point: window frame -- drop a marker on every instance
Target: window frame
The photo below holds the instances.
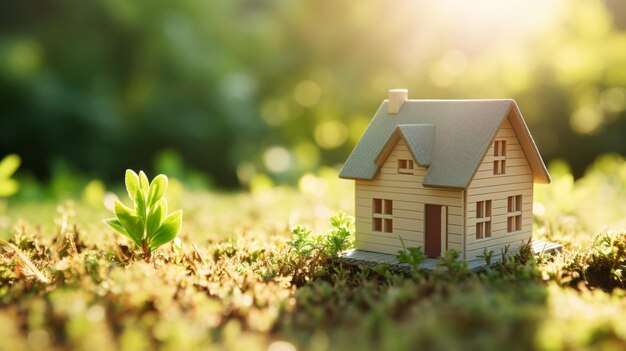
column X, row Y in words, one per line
column 499, row 157
column 514, row 213
column 382, row 215
column 406, row 166
column 483, row 219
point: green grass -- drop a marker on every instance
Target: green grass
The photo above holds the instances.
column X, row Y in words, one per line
column 232, row 286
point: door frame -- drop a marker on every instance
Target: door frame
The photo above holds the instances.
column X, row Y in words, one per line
column 443, row 231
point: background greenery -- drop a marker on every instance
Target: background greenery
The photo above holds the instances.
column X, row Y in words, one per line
column 247, row 88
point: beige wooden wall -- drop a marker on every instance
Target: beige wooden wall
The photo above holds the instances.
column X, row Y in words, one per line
column 517, row 180
column 409, row 197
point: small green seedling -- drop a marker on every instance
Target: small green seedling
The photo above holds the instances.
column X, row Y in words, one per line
column 8, row 166
column 339, row 238
column 304, row 242
column 487, row 256
column 148, row 224
column 413, row 256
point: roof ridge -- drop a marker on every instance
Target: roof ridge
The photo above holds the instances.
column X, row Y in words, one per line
column 463, row 100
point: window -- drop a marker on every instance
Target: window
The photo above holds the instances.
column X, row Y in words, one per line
column 483, row 219
column 382, row 216
column 499, row 157
column 405, row 166
column 514, row 214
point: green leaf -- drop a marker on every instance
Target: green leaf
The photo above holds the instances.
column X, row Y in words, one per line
column 143, row 182
column 117, row 226
column 158, row 187
column 128, row 219
column 168, row 230
column 8, row 187
column 140, row 206
column 155, row 218
column 132, row 183
column 163, row 205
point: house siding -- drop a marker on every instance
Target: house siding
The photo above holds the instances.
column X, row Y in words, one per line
column 517, row 180
column 409, row 197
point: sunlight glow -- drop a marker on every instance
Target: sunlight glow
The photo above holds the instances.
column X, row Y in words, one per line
column 489, row 19
column 281, row 346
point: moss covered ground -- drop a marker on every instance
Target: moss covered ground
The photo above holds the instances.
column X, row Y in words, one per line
column 69, row 282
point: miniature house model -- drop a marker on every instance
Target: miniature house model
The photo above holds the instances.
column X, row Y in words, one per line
column 444, row 174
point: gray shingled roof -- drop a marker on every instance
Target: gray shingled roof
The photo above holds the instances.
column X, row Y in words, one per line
column 462, row 133
column 420, row 140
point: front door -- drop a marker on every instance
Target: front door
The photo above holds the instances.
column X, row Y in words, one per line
column 436, row 230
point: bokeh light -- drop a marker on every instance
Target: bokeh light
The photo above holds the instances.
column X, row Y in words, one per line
column 277, row 159
column 330, row 134
column 307, row 93
column 305, row 77
column 587, row 119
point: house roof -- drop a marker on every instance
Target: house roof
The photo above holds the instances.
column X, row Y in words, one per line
column 450, row 137
column 419, row 139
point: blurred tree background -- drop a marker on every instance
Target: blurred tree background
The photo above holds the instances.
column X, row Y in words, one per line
column 237, row 89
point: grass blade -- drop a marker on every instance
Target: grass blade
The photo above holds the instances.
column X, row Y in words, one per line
column 38, row 274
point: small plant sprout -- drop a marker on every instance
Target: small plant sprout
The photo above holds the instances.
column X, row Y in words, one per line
column 148, row 225
column 487, row 256
column 304, row 242
column 413, row 256
column 339, row 237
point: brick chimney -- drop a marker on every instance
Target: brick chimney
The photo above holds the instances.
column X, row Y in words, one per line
column 397, row 97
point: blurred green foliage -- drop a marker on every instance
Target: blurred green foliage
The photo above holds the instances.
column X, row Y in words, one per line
column 592, row 203
column 243, row 89
column 8, row 165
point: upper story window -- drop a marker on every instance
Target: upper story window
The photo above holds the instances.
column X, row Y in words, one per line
column 499, row 157
column 483, row 219
column 405, row 166
column 382, row 215
column 514, row 214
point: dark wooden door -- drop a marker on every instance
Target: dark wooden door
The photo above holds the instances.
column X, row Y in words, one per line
column 432, row 237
